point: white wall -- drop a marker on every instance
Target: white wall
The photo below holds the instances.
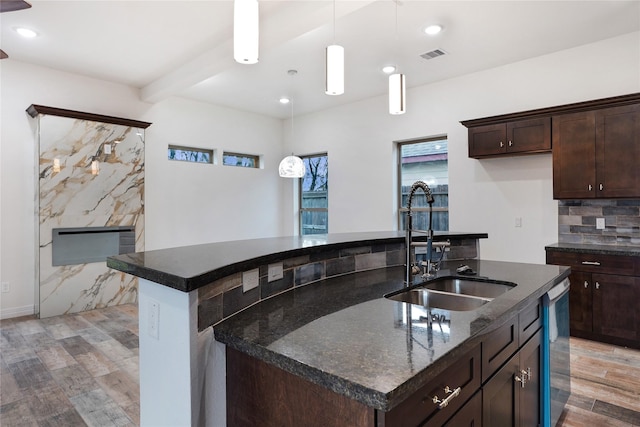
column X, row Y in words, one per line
column 184, row 203
column 484, row 196
column 199, row 203
column 187, row 204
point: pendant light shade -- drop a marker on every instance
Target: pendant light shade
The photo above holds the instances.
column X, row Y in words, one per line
column 397, row 100
column 245, row 31
column 291, row 167
column 334, row 70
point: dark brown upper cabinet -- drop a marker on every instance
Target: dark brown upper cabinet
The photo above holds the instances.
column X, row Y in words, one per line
column 595, row 144
column 596, row 154
column 510, row 138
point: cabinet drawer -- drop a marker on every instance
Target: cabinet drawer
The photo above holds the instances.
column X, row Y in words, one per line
column 612, row 264
column 529, row 321
column 420, row 408
column 498, row 346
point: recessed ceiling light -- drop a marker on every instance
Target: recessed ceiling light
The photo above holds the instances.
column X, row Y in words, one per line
column 432, row 30
column 388, row 69
column 26, row 32
column 284, row 100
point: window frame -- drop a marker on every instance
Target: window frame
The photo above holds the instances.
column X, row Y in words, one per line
column 184, row 148
column 255, row 157
column 403, row 210
column 301, row 210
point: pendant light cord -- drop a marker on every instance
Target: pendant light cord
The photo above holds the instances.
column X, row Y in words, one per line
column 334, row 21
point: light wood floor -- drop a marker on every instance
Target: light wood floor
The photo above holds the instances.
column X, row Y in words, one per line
column 82, row 370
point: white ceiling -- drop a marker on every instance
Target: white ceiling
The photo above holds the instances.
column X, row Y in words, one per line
column 184, row 48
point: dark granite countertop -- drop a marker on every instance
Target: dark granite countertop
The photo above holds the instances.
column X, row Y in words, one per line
column 190, row 267
column 595, row 249
column 342, row 333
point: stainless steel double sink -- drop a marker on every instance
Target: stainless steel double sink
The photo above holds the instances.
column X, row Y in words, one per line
column 453, row 293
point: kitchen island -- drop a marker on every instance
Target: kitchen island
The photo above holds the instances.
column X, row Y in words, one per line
column 337, row 331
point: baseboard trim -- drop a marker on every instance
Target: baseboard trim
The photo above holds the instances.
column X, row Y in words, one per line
column 8, row 313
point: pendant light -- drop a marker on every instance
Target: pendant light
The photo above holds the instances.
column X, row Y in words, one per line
column 397, row 94
column 291, row 166
column 334, row 60
column 245, row 31
column 397, row 86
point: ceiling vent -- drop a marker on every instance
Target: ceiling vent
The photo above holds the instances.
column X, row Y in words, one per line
column 433, row 54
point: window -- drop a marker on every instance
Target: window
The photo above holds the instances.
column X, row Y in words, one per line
column 424, row 160
column 190, row 154
column 240, row 160
column 314, row 202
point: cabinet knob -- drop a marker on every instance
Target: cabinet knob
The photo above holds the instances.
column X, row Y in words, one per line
column 590, row 187
column 501, row 144
column 510, row 144
column 601, row 187
column 597, row 285
column 586, row 284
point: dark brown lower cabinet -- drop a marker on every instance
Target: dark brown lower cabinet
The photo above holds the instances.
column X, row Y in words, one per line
column 470, row 415
column 512, row 396
column 603, row 297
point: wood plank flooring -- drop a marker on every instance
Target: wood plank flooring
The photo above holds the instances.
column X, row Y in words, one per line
column 73, row 370
column 82, row 370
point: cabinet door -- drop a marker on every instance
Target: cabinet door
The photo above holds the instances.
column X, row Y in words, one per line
column 470, row 415
column 618, row 151
column 530, row 362
column 574, row 154
column 501, row 395
column 487, row 140
column 615, row 306
column 533, row 135
column 580, row 302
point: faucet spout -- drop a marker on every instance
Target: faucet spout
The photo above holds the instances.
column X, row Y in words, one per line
column 418, row 185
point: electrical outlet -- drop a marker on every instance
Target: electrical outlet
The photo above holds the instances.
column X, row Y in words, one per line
column 250, row 279
column 600, row 224
column 275, row 272
column 107, row 148
column 5, row 287
column 154, row 319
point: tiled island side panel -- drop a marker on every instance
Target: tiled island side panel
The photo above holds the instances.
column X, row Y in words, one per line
column 226, row 296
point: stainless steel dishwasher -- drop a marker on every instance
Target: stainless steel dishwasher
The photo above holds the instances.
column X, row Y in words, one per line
column 556, row 370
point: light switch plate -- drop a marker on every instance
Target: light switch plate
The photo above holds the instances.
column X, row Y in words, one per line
column 275, row 272
column 600, row 225
column 250, row 279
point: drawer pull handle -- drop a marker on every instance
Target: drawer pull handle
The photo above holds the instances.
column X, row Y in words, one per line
column 590, row 263
column 586, row 284
column 590, row 187
column 597, row 285
column 443, row 403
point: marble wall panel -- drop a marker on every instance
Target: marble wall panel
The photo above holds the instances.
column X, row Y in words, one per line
column 71, row 194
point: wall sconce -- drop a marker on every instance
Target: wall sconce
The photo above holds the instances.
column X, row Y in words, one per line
column 95, row 167
column 56, row 165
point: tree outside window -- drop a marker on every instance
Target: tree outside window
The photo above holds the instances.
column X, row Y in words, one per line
column 314, row 200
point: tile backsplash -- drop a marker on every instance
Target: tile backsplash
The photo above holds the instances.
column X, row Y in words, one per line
column 577, row 221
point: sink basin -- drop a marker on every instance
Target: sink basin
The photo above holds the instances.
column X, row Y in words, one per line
column 469, row 286
column 453, row 293
column 443, row 300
